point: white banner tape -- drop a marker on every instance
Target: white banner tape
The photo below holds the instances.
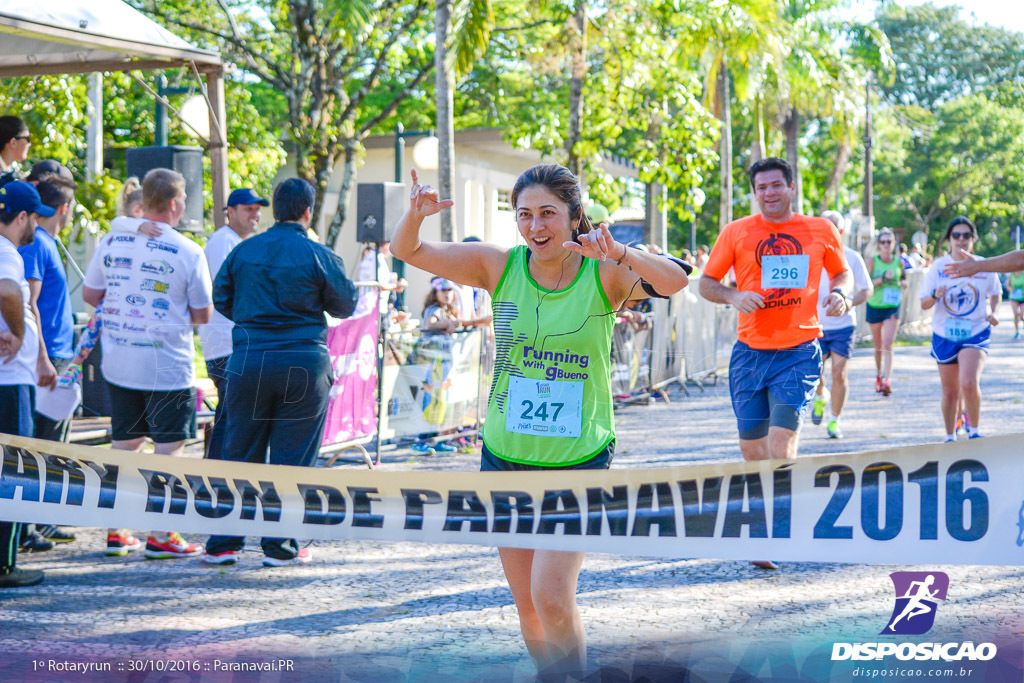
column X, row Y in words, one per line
column 960, row 503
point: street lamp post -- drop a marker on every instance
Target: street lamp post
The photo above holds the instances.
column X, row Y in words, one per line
column 422, row 153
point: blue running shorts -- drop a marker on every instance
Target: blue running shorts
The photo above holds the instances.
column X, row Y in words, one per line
column 839, row 342
column 771, row 387
column 945, row 351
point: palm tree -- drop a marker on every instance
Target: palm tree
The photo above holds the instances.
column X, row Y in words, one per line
column 461, row 30
column 732, row 37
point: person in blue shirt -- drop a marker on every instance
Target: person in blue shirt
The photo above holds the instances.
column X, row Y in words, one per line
column 276, row 287
column 51, row 306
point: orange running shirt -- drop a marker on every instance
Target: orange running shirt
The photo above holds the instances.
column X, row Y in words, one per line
column 790, row 316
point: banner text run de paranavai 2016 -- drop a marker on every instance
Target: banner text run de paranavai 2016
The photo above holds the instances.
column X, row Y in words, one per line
column 960, row 503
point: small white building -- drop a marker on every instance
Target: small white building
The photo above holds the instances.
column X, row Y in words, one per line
column 486, row 168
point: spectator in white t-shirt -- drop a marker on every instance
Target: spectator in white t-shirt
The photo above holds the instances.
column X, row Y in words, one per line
column 243, row 214
column 20, row 209
column 153, row 291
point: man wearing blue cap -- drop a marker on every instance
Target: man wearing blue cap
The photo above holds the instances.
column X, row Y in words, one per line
column 20, row 208
column 243, row 213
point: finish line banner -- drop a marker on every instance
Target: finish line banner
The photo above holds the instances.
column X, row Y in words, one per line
column 960, row 503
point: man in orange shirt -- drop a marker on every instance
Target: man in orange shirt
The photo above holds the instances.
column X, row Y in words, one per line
column 778, row 257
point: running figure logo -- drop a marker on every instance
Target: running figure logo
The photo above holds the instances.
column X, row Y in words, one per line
column 917, row 595
column 961, row 299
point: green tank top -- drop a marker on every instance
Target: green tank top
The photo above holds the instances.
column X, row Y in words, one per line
column 551, row 396
column 1016, row 287
column 878, row 268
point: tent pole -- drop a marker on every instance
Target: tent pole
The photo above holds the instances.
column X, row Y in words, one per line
column 218, row 145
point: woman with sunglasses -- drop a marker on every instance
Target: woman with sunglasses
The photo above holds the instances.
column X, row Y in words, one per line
column 965, row 311
column 14, row 144
column 883, row 308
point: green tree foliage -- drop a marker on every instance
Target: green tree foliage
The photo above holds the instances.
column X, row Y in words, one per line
column 341, row 68
column 961, row 159
column 54, row 108
column 939, row 57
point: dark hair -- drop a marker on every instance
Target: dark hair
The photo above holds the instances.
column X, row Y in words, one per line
column 771, row 164
column 561, row 182
column 291, row 199
column 472, row 238
column 960, row 220
column 7, row 217
column 55, row 191
column 10, row 128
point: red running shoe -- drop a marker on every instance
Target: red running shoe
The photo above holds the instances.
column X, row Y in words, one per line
column 886, row 388
column 878, row 384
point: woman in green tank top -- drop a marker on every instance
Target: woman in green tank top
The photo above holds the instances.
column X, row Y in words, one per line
column 883, row 308
column 554, row 300
column 1016, row 283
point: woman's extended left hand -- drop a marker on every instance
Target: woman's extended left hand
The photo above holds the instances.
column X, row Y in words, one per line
column 597, row 244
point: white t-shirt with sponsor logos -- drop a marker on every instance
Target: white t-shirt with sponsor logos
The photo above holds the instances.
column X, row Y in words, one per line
column 861, row 280
column 962, row 312
column 216, row 336
column 21, row 370
column 151, row 284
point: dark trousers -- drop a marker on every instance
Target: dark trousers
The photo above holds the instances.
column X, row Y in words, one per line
column 216, row 369
column 278, row 401
column 16, row 407
column 53, row 430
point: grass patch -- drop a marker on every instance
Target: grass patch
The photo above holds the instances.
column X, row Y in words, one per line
column 896, row 343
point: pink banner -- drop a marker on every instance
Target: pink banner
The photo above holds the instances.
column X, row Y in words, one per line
column 352, row 410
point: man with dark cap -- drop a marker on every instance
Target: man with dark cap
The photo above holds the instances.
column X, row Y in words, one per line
column 19, row 347
column 243, row 217
column 276, row 287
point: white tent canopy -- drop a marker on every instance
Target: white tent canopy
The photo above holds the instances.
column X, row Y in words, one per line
column 85, row 36
column 75, row 36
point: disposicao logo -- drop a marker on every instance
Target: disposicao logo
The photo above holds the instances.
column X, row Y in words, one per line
column 917, row 598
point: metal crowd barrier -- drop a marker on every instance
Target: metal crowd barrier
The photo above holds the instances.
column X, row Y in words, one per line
column 436, row 384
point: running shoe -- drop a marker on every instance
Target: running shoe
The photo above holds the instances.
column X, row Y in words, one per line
column 834, row 432
column 764, row 564
column 172, row 545
column 303, row 557
column 226, row 557
column 960, row 429
column 444, row 447
column 21, row 578
column 52, row 532
column 1016, row 335
column 121, row 543
column 886, row 388
column 33, row 542
column 818, row 410
column 975, row 435
column 422, row 448
column 878, row 384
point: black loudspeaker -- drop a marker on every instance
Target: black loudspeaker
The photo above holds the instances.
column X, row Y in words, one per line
column 95, row 396
column 378, row 208
column 188, row 161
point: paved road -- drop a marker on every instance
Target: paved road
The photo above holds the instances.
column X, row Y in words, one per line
column 399, row 611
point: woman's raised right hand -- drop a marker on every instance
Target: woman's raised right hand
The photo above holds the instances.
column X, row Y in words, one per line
column 424, row 200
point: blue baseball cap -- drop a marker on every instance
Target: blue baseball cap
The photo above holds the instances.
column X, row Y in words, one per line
column 21, row 196
column 244, row 195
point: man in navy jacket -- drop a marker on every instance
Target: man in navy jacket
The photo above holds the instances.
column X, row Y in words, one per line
column 276, row 287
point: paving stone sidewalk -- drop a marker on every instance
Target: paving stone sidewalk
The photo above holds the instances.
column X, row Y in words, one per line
column 402, row 611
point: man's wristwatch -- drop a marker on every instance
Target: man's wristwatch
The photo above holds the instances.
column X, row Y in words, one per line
column 840, row 293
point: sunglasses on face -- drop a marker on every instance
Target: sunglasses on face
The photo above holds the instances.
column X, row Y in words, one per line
column 885, row 241
column 961, row 235
column 26, row 136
